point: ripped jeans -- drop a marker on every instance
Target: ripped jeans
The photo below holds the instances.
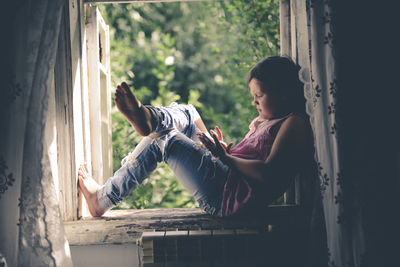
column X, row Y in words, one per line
column 197, row 170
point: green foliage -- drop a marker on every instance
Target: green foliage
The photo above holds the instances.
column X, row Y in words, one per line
column 194, row 52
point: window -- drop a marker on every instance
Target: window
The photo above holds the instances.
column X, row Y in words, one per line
column 83, row 105
column 83, row 101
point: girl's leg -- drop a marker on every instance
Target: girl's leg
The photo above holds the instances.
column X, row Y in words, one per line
column 136, row 167
column 143, row 160
column 183, row 118
column 144, row 118
column 197, row 170
column 133, row 110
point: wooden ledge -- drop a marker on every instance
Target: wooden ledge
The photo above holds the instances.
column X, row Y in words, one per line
column 128, row 226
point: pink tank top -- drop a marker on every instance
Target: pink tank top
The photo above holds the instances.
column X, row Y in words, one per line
column 240, row 193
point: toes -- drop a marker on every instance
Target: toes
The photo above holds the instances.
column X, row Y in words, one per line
column 119, row 93
column 81, row 168
column 83, row 171
column 125, row 86
column 119, row 90
column 80, row 181
column 116, row 99
column 81, row 175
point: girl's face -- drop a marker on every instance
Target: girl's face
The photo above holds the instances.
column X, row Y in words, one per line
column 267, row 104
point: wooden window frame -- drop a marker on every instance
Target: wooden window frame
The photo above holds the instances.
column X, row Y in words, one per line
column 300, row 192
column 67, row 187
column 99, row 87
column 82, row 85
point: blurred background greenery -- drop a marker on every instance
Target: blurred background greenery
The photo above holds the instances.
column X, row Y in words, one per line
column 193, row 52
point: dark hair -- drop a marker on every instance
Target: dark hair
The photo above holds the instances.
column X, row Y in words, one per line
column 280, row 75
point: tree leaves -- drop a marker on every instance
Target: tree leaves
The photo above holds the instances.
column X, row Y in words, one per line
column 194, row 52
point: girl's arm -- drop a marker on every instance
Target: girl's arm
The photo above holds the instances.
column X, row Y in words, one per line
column 202, row 127
column 287, row 154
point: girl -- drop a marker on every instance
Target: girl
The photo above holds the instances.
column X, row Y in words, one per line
column 224, row 180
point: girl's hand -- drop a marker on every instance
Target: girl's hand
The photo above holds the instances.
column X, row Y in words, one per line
column 218, row 133
column 215, row 146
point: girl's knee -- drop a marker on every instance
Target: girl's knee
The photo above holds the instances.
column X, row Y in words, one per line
column 177, row 142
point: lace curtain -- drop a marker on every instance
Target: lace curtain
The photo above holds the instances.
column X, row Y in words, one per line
column 352, row 105
column 316, row 47
column 32, row 230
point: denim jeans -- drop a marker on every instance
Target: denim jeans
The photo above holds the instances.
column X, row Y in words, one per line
column 202, row 175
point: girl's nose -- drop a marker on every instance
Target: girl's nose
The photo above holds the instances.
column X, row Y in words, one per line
column 254, row 102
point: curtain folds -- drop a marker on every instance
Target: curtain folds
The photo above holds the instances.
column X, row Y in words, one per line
column 37, row 238
column 316, row 54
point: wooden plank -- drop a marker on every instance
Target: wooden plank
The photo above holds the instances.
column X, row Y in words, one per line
column 102, row 69
column 105, row 95
column 299, row 9
column 147, row 245
column 92, row 35
column 98, row 51
column 106, row 131
column 285, row 42
column 64, row 123
column 303, row 189
column 153, row 235
column 102, row 27
column 289, row 48
column 223, row 232
column 120, row 226
column 77, row 58
column 293, row 31
column 200, row 233
column 146, row 241
column 99, row 233
column 81, row 106
column 176, row 233
column 148, row 251
column 286, row 50
column 108, row 172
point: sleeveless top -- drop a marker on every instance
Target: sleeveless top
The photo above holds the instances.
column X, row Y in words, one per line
column 241, row 194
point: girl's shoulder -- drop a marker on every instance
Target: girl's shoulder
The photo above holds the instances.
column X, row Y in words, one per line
column 258, row 127
column 299, row 120
column 297, row 126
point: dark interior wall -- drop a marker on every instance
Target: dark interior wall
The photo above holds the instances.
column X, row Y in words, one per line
column 9, row 88
column 5, row 64
column 368, row 75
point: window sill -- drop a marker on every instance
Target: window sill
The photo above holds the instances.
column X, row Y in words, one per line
column 131, row 226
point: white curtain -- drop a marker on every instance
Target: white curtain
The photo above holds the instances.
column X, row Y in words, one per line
column 32, row 232
column 347, row 50
column 316, row 54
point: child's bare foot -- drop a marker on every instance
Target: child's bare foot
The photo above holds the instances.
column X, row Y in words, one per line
column 89, row 188
column 137, row 114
